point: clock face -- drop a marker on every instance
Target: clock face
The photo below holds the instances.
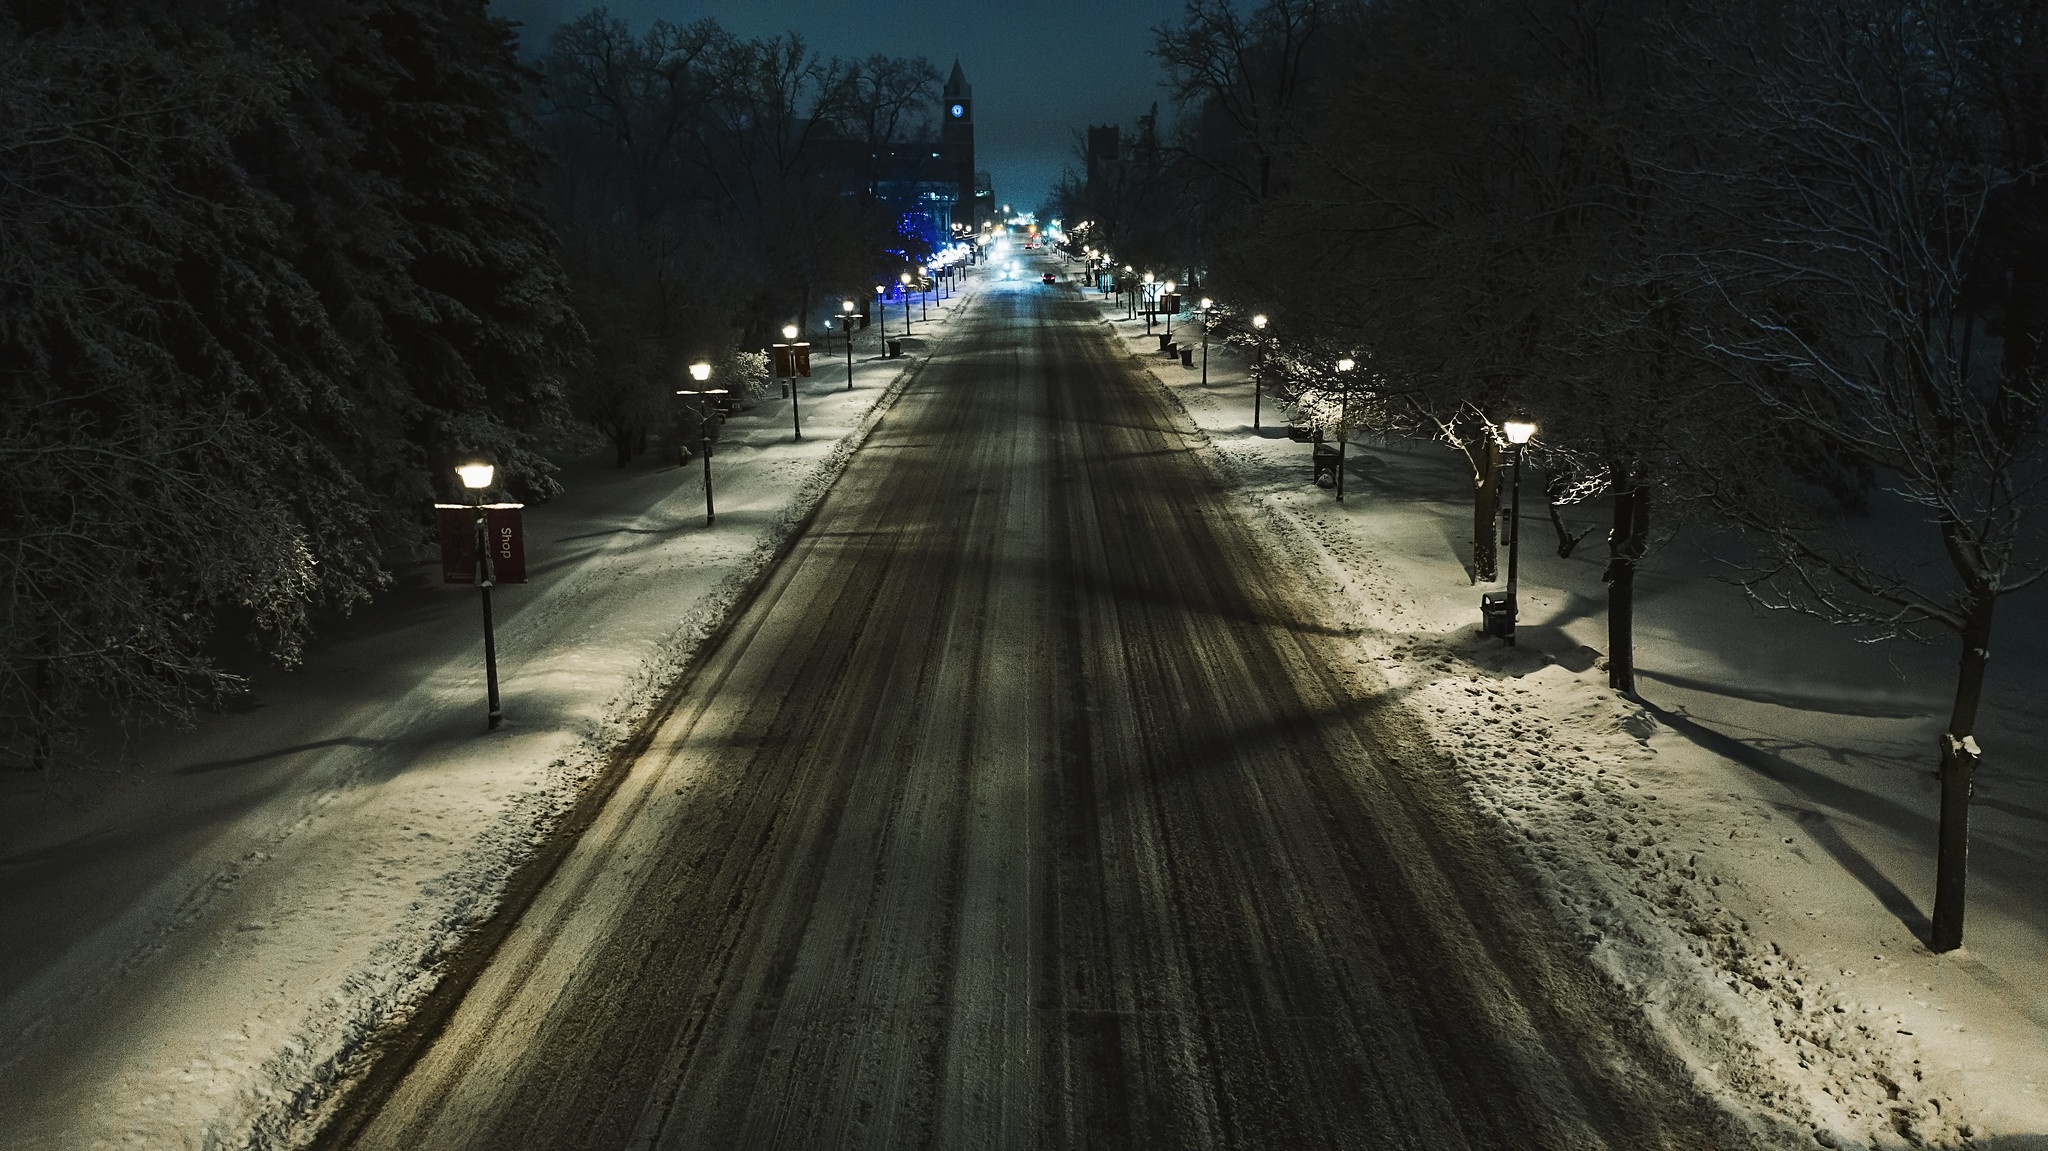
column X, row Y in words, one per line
column 959, row 110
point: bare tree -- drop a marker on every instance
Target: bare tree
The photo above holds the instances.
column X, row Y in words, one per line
column 1852, row 198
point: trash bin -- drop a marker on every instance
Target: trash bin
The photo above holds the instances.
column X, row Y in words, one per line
column 1325, row 460
column 895, row 349
column 1497, row 614
column 1187, row 357
column 1165, row 344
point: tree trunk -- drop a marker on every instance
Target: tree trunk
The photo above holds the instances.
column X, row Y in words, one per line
column 1485, row 509
column 1626, row 542
column 1959, row 755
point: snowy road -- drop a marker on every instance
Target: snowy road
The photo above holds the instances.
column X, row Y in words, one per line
column 1024, row 807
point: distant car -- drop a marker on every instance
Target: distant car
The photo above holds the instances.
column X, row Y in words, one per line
column 1050, row 278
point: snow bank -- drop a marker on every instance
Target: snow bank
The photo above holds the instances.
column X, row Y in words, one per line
column 222, row 934
column 1736, row 854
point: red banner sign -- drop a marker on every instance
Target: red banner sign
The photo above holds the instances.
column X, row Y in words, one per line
column 792, row 360
column 456, row 524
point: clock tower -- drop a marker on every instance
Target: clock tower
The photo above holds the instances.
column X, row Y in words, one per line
column 956, row 140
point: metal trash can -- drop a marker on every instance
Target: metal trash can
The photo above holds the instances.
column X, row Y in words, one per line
column 1497, row 614
column 895, row 349
column 1165, row 344
column 1325, row 462
column 1187, row 357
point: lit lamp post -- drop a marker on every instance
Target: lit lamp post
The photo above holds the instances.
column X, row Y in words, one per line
column 905, row 280
column 1146, row 291
column 1344, row 367
column 846, row 310
column 924, row 292
column 476, row 477
column 1206, row 304
column 701, row 373
column 1132, row 294
column 1258, row 366
column 796, row 419
column 882, row 320
column 1169, row 290
column 1519, row 433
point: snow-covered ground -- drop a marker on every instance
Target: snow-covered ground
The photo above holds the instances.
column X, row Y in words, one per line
column 201, row 942
column 203, row 936
column 1749, row 853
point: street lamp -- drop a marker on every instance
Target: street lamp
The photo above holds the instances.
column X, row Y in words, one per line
column 882, row 320
column 846, row 309
column 701, row 373
column 1344, row 367
column 923, row 293
column 1206, row 304
column 796, row 419
column 1168, row 291
column 905, row 279
column 1146, row 291
column 1258, row 366
column 476, row 476
column 1519, row 433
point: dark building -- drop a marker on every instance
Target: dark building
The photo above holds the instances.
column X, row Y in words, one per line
column 932, row 184
column 956, row 144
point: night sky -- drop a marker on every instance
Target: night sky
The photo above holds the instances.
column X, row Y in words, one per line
column 1041, row 70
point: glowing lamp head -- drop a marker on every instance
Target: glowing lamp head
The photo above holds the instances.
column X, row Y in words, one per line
column 1207, row 303
column 1259, row 322
column 1170, row 287
column 879, row 289
column 1346, row 365
column 904, row 278
column 700, row 372
column 476, row 476
column 789, row 331
column 1148, row 277
column 1519, row 431
column 846, row 306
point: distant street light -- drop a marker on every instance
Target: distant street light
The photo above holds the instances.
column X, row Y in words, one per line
column 882, row 320
column 846, row 309
column 905, row 279
column 1146, row 292
column 1344, row 367
column 1168, row 291
column 1207, row 303
column 476, row 476
column 701, row 373
column 1258, row 366
column 923, row 292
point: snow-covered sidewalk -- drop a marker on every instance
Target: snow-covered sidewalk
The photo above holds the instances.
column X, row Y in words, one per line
column 202, row 943
column 1750, row 855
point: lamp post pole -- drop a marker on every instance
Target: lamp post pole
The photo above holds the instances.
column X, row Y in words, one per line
column 1344, row 367
column 846, row 308
column 905, row 280
column 476, row 477
column 1147, row 292
column 1207, row 303
column 701, row 373
column 1169, row 290
column 1258, row 366
column 881, row 323
column 924, row 293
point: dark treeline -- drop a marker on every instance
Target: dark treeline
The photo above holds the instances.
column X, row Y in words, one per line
column 268, row 269
column 709, row 189
column 1749, row 264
